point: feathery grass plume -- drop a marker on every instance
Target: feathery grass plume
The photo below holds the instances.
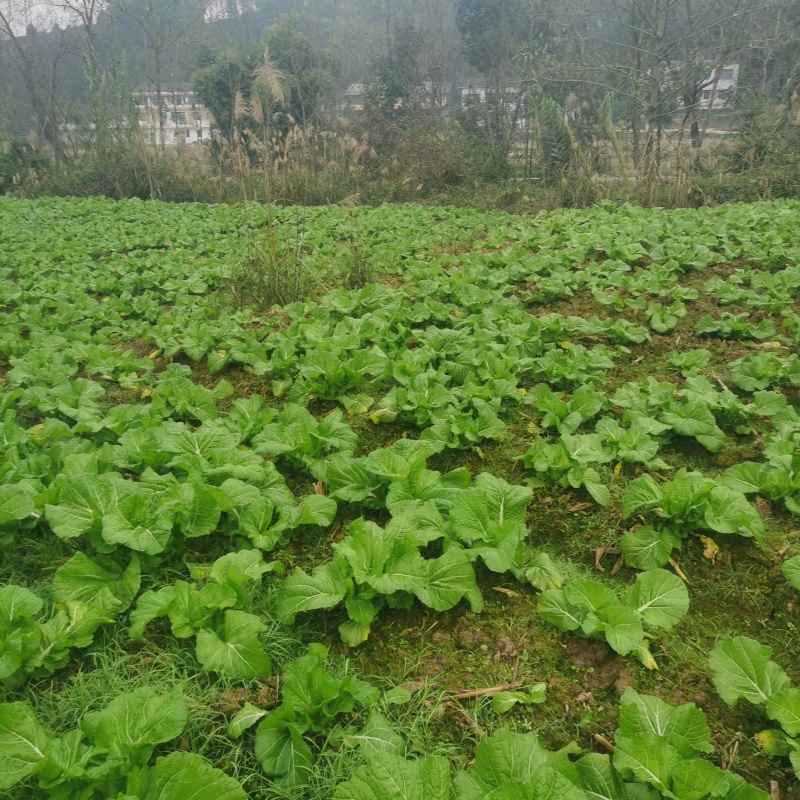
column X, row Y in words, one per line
column 240, row 108
column 257, row 110
column 351, row 201
column 268, row 76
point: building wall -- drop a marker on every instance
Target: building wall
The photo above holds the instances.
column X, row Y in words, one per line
column 728, row 81
column 185, row 120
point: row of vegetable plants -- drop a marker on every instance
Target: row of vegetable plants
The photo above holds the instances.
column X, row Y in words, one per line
column 114, row 445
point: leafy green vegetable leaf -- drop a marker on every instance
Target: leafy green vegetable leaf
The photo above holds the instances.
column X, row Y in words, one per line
column 622, row 627
column 741, row 667
column 682, row 727
column 449, row 578
column 132, row 724
column 283, row 753
column 23, row 743
column 599, row 778
column 377, row 736
column 247, row 716
column 187, row 776
column 393, row 778
column 542, row 573
column 640, row 493
column 15, row 504
column 97, row 581
column 784, row 708
column 235, row 650
column 660, row 597
column 791, row 571
column 324, row 588
column 647, row 548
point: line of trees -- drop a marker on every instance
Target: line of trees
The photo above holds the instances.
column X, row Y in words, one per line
column 569, row 90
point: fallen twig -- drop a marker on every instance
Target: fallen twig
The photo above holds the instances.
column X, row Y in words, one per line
column 678, row 570
column 719, row 381
column 503, row 590
column 732, row 749
column 601, row 740
column 502, row 687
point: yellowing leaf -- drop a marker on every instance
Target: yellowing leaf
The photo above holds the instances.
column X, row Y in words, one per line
column 154, row 355
column 103, row 299
column 710, row 548
column 146, row 393
column 618, row 469
column 642, row 652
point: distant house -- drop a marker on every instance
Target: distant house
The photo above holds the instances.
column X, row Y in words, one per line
column 474, row 97
column 428, row 95
column 354, row 97
column 727, row 82
column 435, row 95
column 185, row 121
column 715, row 87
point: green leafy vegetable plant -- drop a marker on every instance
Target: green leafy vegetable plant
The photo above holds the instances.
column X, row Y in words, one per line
column 688, row 503
column 659, row 752
column 572, row 462
column 505, row 701
column 658, row 599
column 763, row 370
column 741, row 668
column 298, row 437
column 110, row 754
column 312, row 702
column 735, row 326
column 566, row 416
column 778, row 477
column 374, row 567
column 377, row 566
column 87, row 593
column 227, row 637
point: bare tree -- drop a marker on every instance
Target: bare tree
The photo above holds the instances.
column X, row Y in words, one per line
column 86, row 15
column 163, row 24
column 38, row 67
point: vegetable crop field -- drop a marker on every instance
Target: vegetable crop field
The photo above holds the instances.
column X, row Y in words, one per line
column 506, row 508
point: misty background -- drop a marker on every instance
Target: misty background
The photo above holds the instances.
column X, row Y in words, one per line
column 663, row 101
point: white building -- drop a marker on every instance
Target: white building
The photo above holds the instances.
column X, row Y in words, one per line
column 429, row 95
column 354, row 98
column 185, row 121
column 727, row 82
column 474, row 97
